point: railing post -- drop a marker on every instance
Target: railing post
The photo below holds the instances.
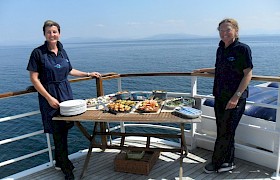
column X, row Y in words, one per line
column 49, row 148
column 278, row 110
column 194, row 86
column 193, row 125
column 278, row 129
column 120, row 89
column 99, row 87
column 119, row 84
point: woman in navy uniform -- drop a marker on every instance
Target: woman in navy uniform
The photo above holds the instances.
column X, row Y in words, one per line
column 49, row 67
column 233, row 72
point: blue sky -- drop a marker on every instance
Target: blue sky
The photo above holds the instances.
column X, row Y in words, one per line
column 22, row 20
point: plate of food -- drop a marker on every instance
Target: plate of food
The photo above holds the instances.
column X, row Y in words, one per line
column 171, row 104
column 98, row 103
column 122, row 106
column 148, row 106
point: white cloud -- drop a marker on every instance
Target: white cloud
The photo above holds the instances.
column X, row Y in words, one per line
column 133, row 23
column 100, row 25
column 175, row 21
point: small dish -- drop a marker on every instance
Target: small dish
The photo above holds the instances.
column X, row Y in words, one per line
column 159, row 94
column 140, row 96
column 123, row 95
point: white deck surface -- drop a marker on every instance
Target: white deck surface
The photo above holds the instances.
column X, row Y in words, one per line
column 101, row 167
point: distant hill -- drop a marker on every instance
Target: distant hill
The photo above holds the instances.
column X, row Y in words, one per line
column 154, row 37
column 173, row 36
column 83, row 39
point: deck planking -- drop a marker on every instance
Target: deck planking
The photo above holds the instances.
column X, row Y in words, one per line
column 101, row 167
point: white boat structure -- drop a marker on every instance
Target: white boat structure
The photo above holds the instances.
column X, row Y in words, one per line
column 257, row 139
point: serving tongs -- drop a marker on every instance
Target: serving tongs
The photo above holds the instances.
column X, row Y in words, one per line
column 106, row 109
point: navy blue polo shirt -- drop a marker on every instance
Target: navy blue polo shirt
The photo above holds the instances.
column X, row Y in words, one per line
column 229, row 66
column 42, row 54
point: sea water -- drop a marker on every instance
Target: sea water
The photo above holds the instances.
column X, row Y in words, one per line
column 139, row 56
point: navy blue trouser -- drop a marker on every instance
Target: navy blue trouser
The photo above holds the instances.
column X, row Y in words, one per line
column 60, row 136
column 226, row 122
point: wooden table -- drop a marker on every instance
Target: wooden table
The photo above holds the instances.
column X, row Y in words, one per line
column 102, row 118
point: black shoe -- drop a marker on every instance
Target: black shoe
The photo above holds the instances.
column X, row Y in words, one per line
column 72, row 167
column 209, row 168
column 69, row 176
column 58, row 166
column 70, row 164
column 226, row 167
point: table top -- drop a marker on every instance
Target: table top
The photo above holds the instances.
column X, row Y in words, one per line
column 100, row 116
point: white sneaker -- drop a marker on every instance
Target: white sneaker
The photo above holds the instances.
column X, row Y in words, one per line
column 57, row 168
column 226, row 167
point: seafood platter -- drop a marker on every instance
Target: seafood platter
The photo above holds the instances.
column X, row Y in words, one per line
column 148, row 106
column 121, row 106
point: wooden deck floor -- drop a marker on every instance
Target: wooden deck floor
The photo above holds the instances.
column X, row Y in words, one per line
column 101, row 167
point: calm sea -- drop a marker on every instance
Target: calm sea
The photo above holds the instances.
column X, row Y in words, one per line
column 120, row 57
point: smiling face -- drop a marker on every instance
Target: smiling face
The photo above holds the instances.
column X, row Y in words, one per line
column 51, row 34
column 228, row 33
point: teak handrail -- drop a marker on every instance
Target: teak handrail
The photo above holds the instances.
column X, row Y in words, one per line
column 112, row 75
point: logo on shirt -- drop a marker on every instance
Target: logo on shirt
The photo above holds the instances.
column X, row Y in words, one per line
column 231, row 58
column 57, row 66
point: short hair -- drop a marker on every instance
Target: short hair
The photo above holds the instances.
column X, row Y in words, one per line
column 232, row 21
column 50, row 23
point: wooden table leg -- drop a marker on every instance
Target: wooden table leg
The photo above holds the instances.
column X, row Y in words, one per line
column 181, row 168
column 103, row 127
column 83, row 130
column 87, row 158
column 92, row 142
